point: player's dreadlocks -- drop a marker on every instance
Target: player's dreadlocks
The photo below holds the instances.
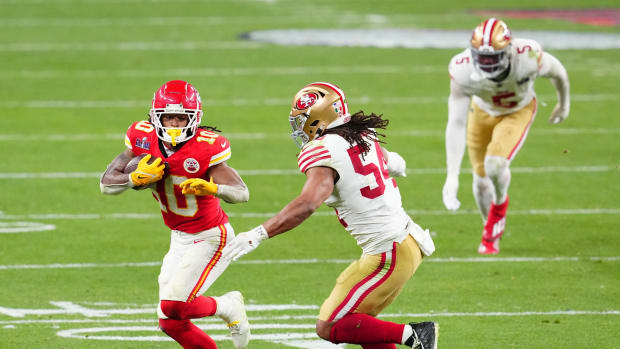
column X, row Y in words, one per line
column 209, row 128
column 361, row 128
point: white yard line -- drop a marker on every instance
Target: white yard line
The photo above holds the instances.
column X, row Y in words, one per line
column 597, row 69
column 81, row 137
column 293, row 172
column 276, row 101
column 317, row 261
column 304, row 317
column 112, row 216
column 129, row 46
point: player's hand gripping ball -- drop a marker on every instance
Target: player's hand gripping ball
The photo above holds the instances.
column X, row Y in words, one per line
column 142, row 172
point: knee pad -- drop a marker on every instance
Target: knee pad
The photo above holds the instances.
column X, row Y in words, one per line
column 482, row 184
column 495, row 165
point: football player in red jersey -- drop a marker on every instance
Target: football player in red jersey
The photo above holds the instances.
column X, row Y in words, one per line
column 491, row 108
column 188, row 177
column 347, row 168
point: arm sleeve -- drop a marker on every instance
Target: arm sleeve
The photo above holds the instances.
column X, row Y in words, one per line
column 233, row 194
column 550, row 67
column 458, row 104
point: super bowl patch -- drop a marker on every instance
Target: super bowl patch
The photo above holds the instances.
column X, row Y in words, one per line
column 191, row 165
column 143, row 143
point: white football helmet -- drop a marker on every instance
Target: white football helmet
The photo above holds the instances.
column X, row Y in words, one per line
column 316, row 108
column 176, row 97
column 490, row 48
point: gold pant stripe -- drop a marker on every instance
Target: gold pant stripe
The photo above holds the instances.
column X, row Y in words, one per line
column 367, row 285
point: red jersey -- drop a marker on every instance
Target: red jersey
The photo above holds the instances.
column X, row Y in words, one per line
column 187, row 213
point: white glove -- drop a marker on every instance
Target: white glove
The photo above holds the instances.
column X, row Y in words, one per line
column 558, row 114
column 244, row 243
column 450, row 188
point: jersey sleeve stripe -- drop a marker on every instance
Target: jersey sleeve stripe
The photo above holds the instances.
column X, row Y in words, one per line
column 221, row 157
column 127, row 142
column 311, row 156
column 309, row 150
column 306, row 166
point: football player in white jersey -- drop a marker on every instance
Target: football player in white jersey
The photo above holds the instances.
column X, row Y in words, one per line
column 492, row 105
column 347, row 168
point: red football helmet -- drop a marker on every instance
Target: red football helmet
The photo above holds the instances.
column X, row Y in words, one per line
column 490, row 47
column 176, row 97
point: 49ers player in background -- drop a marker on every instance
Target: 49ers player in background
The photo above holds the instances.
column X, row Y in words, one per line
column 492, row 92
column 190, row 207
column 347, row 168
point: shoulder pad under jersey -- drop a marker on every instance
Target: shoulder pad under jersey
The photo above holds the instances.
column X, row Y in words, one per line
column 215, row 144
column 138, row 130
column 527, row 56
column 461, row 67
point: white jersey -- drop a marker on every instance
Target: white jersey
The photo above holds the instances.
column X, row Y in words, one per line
column 511, row 94
column 365, row 197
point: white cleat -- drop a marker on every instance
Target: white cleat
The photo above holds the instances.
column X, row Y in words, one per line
column 236, row 319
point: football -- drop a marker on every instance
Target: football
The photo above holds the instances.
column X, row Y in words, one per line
column 133, row 163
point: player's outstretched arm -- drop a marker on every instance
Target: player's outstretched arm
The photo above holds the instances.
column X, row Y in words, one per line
column 318, row 187
column 114, row 181
column 396, row 165
column 550, row 67
column 224, row 183
column 458, row 104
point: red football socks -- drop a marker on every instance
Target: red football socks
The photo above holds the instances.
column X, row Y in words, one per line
column 188, row 335
column 200, row 307
column 366, row 329
column 379, row 346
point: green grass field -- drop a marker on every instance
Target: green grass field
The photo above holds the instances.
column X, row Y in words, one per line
column 76, row 73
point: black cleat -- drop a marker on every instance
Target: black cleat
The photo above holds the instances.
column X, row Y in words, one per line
column 424, row 335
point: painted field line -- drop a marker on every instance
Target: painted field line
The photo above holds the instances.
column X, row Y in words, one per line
column 209, row 72
column 112, row 216
column 129, row 46
column 317, row 261
column 277, row 101
column 304, row 317
column 264, row 135
column 25, row 22
column 294, row 172
column 262, row 71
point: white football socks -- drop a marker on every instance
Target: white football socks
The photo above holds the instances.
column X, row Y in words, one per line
column 484, row 195
column 407, row 332
column 497, row 169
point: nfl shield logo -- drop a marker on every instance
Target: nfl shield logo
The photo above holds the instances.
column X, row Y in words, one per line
column 191, row 165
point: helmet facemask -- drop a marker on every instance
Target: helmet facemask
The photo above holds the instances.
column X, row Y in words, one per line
column 175, row 135
column 297, row 124
column 491, row 64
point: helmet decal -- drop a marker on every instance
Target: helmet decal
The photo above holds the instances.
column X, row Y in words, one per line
column 306, row 101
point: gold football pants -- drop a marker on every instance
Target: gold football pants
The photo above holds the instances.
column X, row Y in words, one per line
column 372, row 282
column 496, row 135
